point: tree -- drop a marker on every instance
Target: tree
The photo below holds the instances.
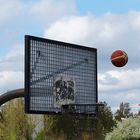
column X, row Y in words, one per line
column 123, row 111
column 64, row 125
column 15, row 124
column 71, row 127
column 105, row 121
column 128, row 129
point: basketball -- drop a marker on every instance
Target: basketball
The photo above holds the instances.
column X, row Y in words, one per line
column 119, row 58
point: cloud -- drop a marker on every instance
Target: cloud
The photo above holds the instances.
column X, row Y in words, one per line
column 32, row 16
column 119, row 80
column 119, row 86
column 47, row 11
column 13, row 60
column 12, row 69
column 134, row 18
column 10, row 9
column 10, row 80
column 19, row 17
column 71, row 29
column 89, row 28
column 106, row 33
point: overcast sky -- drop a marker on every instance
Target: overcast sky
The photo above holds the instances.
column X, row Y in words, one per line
column 107, row 25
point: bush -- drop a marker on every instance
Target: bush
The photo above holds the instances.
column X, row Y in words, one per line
column 128, row 129
column 40, row 136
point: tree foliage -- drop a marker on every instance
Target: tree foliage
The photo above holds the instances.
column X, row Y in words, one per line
column 105, row 121
column 62, row 125
column 128, row 129
column 124, row 111
column 81, row 127
column 14, row 123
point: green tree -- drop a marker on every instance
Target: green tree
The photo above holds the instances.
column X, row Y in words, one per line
column 15, row 124
column 82, row 128
column 124, row 111
column 63, row 125
column 105, row 121
column 128, row 129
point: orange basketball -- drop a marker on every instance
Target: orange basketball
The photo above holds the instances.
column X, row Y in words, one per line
column 119, row 58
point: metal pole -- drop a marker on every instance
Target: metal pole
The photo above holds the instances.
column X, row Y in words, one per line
column 17, row 93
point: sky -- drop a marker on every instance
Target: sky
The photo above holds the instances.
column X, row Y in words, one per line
column 107, row 25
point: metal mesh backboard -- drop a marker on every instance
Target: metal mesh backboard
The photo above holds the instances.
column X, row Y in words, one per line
column 58, row 73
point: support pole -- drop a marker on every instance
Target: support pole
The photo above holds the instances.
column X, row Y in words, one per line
column 17, row 93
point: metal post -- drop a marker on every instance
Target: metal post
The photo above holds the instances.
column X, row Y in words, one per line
column 17, row 93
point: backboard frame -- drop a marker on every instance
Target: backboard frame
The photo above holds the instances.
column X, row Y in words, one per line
column 27, row 70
